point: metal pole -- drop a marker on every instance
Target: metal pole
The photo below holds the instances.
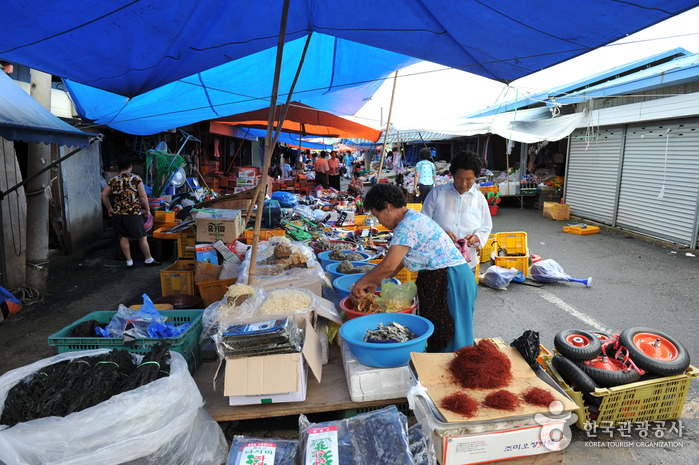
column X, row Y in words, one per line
column 388, row 126
column 262, row 188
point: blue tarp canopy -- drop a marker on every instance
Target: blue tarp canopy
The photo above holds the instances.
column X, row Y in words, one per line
column 130, row 47
column 337, row 76
column 23, row 118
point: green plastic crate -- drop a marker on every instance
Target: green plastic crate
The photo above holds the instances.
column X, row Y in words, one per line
column 186, row 344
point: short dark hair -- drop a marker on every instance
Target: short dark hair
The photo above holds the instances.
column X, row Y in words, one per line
column 124, row 162
column 378, row 195
column 466, row 160
column 323, row 154
column 425, row 154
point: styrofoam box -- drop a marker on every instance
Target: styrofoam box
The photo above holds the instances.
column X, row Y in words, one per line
column 368, row 383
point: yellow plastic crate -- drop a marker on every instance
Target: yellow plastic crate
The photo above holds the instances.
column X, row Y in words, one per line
column 213, row 291
column 478, row 272
column 520, row 263
column 265, row 234
column 158, row 307
column 164, row 217
column 359, row 220
column 178, row 279
column 512, row 242
column 653, row 400
column 580, row 231
column 415, row 206
column 487, row 250
column 186, row 244
column 403, row 275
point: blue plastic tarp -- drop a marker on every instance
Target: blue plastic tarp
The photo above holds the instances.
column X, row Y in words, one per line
column 131, row 47
column 337, row 76
column 23, row 118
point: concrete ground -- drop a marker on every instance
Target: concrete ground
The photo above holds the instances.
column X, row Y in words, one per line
column 635, row 283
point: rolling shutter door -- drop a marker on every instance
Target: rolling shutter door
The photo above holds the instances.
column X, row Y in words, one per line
column 640, row 209
column 593, row 172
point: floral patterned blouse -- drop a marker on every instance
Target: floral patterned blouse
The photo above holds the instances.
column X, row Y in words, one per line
column 125, row 190
column 430, row 247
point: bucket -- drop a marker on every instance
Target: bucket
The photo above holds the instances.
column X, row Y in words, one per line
column 493, row 210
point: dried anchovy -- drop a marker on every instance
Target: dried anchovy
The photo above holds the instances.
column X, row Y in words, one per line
column 394, row 332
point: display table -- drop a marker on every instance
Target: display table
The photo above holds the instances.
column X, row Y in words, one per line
column 520, row 197
column 329, row 395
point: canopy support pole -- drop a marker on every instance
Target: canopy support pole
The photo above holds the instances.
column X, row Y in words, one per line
column 238, row 151
column 270, row 141
column 388, row 126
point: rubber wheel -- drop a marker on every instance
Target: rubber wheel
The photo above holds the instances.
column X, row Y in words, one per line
column 655, row 351
column 609, row 378
column 577, row 345
column 577, row 378
column 601, row 335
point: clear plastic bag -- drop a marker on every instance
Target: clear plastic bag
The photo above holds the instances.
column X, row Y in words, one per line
column 161, row 422
column 421, row 445
column 260, row 336
column 396, row 297
column 138, row 319
column 219, row 313
column 286, row 451
column 498, row 277
column 380, row 436
column 270, row 276
column 549, row 271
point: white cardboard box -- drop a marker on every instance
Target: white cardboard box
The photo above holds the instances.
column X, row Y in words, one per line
column 367, row 383
column 273, row 378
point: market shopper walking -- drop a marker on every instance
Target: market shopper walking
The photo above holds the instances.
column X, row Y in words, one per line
column 425, row 172
column 334, row 171
column 129, row 211
column 321, row 168
column 446, row 286
column 460, row 208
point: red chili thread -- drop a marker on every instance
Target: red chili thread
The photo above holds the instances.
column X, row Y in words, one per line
column 538, row 396
column 460, row 403
column 481, row 366
column 502, row 400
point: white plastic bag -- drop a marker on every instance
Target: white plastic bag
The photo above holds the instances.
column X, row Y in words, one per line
column 300, row 276
column 161, row 422
column 218, row 314
column 498, row 277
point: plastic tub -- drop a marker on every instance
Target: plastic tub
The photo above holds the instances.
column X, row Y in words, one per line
column 348, row 307
column 332, row 269
column 343, row 283
column 388, row 355
column 317, row 251
column 324, row 259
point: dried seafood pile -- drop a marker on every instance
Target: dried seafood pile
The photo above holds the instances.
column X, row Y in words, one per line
column 394, row 332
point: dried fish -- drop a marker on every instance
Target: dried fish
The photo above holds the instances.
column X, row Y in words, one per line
column 393, row 332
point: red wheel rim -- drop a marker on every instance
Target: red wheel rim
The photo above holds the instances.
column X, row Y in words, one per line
column 577, row 340
column 601, row 337
column 605, row 363
column 655, row 346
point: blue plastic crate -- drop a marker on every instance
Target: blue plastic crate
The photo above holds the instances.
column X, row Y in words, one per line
column 186, row 344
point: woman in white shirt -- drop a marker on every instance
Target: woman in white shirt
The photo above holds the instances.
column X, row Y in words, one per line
column 459, row 207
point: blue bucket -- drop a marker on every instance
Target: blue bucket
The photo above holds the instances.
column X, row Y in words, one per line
column 391, row 354
column 325, row 260
column 343, row 283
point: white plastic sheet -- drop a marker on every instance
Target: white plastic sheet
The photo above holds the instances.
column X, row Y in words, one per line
column 160, row 423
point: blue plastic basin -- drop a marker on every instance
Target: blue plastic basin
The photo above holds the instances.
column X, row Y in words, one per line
column 343, row 283
column 332, row 269
column 386, row 355
column 325, row 261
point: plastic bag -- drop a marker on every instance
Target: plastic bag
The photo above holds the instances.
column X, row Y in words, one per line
column 380, row 436
column 219, row 313
column 528, row 346
column 9, row 305
column 261, row 336
column 134, row 323
column 161, row 422
column 549, row 271
column 396, row 297
column 421, row 445
column 284, row 451
column 498, row 277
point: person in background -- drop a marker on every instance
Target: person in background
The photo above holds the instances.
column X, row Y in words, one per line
column 321, row 168
column 356, row 186
column 286, row 169
column 127, row 218
column 425, row 172
column 445, row 285
column 460, row 208
column 334, row 171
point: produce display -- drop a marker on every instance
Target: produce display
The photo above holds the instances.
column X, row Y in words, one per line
column 393, row 332
column 238, row 293
column 286, row 301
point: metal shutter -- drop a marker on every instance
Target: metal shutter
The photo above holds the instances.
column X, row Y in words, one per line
column 671, row 217
column 592, row 173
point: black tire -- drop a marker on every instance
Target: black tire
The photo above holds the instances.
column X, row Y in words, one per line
column 609, row 378
column 576, row 377
column 650, row 364
column 592, row 346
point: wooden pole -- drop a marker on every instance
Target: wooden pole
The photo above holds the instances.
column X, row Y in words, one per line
column 388, row 126
column 238, row 151
column 262, row 188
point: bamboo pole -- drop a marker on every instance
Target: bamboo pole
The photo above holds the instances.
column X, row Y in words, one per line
column 388, row 126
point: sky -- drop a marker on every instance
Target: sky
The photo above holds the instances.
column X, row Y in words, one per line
column 427, row 93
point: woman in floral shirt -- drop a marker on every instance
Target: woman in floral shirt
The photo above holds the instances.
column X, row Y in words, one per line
column 446, row 286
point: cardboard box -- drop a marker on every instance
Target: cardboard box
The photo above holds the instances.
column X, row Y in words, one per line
column 205, row 272
column 245, row 181
column 261, row 380
column 243, row 204
column 247, row 172
column 215, row 224
column 206, row 253
column 238, row 190
column 556, row 211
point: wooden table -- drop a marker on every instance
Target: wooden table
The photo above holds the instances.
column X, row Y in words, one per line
column 330, row 395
